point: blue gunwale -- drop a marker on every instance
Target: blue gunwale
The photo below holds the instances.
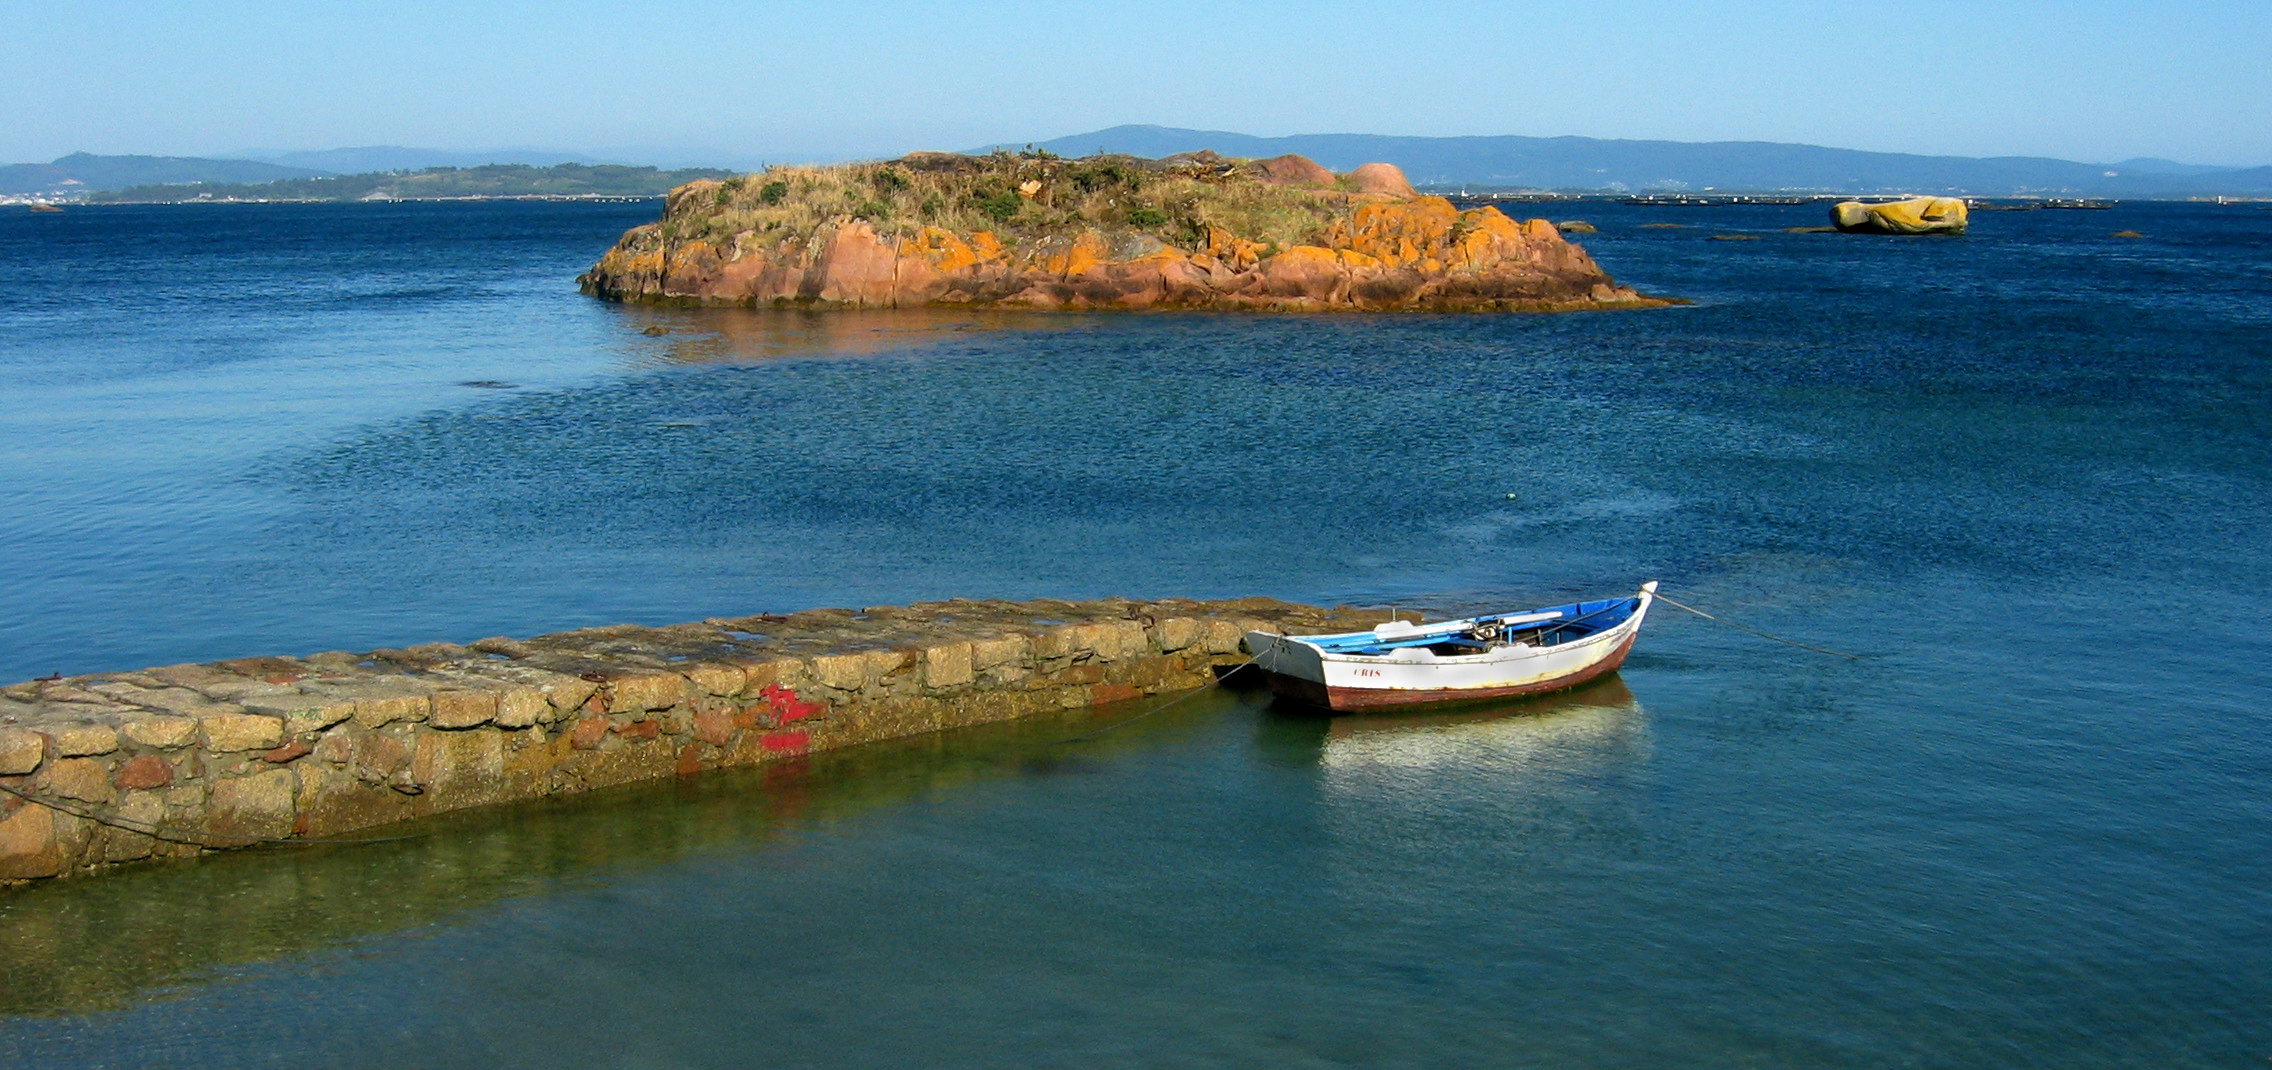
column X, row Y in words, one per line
column 1577, row 620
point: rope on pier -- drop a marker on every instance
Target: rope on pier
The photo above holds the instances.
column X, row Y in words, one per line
column 1201, row 690
column 1757, row 632
column 189, row 841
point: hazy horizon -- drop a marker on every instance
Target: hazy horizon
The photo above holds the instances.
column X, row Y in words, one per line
column 737, row 84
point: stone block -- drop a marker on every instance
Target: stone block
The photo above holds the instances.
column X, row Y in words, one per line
column 292, row 750
column 458, row 769
column 588, row 733
column 391, row 706
column 716, row 679
column 83, row 779
column 715, row 727
column 1007, row 674
column 1061, row 642
column 844, row 672
column 989, row 653
column 564, row 693
column 1071, row 676
column 335, row 802
column 645, row 691
column 33, row 843
column 947, row 665
column 638, row 760
column 336, row 748
column 228, row 732
column 80, row 739
column 162, row 732
column 1120, row 640
column 456, row 709
column 378, row 758
column 301, row 712
column 139, row 810
column 773, row 672
column 1223, row 637
column 21, row 751
column 143, row 772
column 521, row 707
column 1176, row 633
column 256, row 807
column 170, row 699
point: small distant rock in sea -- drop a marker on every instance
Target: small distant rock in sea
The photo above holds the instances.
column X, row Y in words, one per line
column 1577, row 226
column 1810, row 230
column 1662, row 226
column 656, row 331
column 489, row 384
column 2126, row 234
column 1735, row 237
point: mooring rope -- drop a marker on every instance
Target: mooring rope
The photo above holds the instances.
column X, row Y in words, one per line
column 1757, row 632
column 1201, row 690
column 155, row 833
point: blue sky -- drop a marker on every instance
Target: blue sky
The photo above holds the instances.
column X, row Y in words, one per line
column 737, row 83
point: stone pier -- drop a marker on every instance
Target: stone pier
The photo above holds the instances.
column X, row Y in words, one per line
column 114, row 768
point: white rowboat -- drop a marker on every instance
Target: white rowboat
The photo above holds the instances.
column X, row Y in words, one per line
column 1498, row 655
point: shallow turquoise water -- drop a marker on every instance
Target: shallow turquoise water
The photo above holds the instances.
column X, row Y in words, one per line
column 2023, row 470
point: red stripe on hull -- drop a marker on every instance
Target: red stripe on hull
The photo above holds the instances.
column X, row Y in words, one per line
column 1368, row 698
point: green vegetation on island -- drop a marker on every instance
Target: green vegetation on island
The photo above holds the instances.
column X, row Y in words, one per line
column 1019, row 196
column 433, row 183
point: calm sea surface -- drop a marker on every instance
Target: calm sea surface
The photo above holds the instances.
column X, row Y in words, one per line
column 2024, row 471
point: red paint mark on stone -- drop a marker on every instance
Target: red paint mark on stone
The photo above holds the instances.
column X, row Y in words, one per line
column 1103, row 693
column 287, row 752
column 785, row 742
column 786, row 707
column 714, row 727
column 690, row 759
column 647, row 729
column 588, row 733
column 147, row 771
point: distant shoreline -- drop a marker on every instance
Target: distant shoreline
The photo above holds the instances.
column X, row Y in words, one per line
column 1707, row 200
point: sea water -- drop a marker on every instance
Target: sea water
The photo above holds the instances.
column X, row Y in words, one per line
column 2022, row 472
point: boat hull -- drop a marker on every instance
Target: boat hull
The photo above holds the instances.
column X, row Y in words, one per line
column 1357, row 672
column 1340, row 699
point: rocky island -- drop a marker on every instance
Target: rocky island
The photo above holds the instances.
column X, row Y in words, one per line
column 1038, row 231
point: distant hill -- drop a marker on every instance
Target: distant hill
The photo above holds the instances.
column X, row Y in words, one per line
column 397, row 158
column 1584, row 163
column 82, row 171
column 490, row 180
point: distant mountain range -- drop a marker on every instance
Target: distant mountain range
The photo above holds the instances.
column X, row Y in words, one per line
column 1581, row 164
column 432, row 183
column 83, row 172
column 397, row 158
column 1596, row 164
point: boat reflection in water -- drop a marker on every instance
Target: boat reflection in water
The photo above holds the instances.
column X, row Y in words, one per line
column 1601, row 722
column 1510, row 784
